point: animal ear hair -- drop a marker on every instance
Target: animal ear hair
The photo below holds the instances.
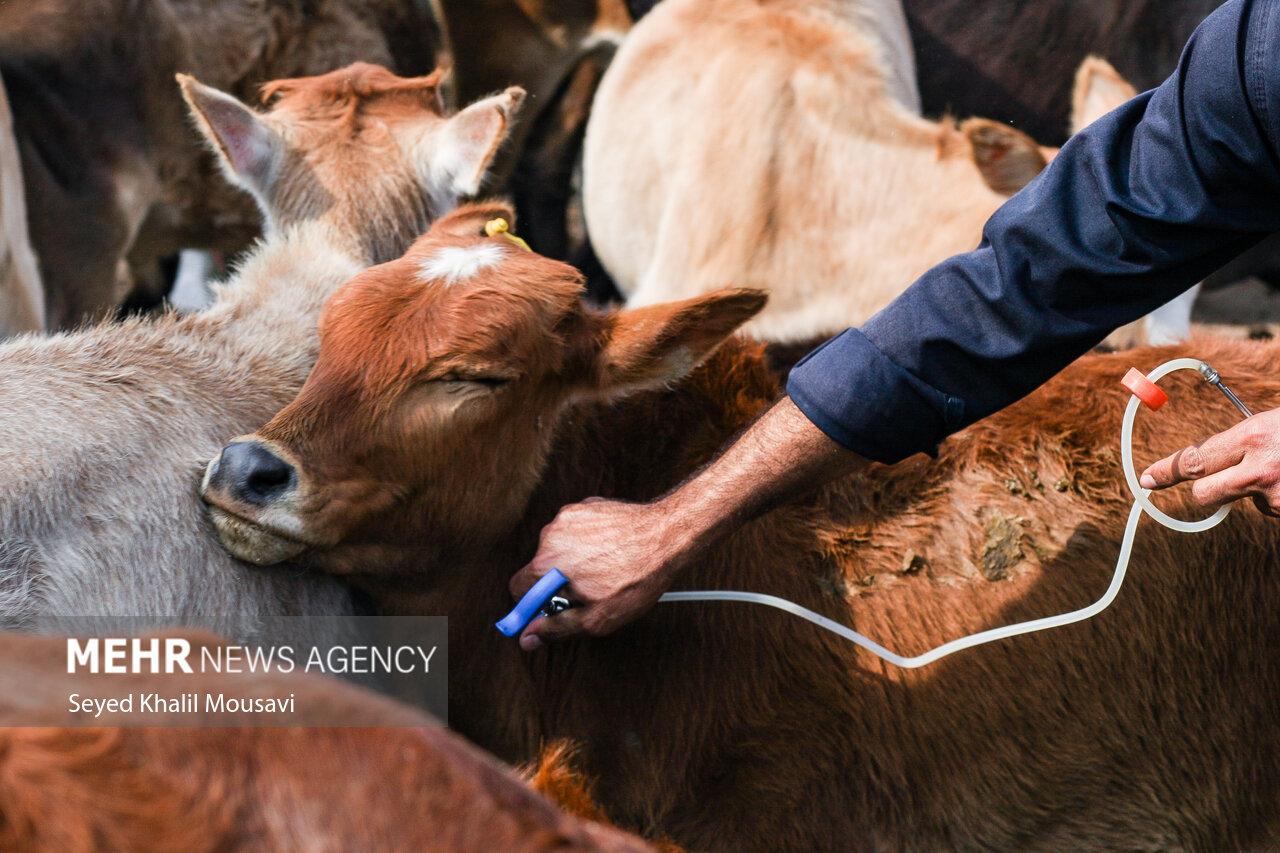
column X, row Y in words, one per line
column 1098, row 90
column 655, row 344
column 432, row 88
column 246, row 147
column 470, row 220
column 1008, row 159
column 470, row 139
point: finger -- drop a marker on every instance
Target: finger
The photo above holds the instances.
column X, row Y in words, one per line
column 1214, row 454
column 549, row 629
column 523, row 580
column 1263, row 503
column 1224, row 487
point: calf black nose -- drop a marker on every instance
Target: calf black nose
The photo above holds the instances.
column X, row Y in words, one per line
column 252, row 473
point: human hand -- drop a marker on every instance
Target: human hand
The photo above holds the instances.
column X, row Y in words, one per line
column 1243, row 461
column 619, row 558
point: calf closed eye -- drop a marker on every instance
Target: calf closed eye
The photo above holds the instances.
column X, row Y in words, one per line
column 491, row 383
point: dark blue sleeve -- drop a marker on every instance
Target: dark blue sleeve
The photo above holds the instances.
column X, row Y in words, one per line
column 1134, row 209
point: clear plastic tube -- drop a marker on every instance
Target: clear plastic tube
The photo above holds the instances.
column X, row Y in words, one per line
column 1141, row 504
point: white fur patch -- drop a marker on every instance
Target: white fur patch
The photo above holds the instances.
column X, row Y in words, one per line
column 453, row 264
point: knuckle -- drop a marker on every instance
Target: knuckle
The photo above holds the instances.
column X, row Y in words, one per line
column 1257, row 433
column 1271, row 497
column 1268, row 476
column 1192, row 462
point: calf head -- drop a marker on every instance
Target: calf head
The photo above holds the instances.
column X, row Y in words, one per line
column 430, row 412
column 370, row 151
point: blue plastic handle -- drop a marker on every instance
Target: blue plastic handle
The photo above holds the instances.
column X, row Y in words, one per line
column 534, row 600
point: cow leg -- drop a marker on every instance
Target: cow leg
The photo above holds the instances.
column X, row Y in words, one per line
column 1171, row 322
column 81, row 236
column 191, row 290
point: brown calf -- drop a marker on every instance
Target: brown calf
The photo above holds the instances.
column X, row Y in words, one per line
column 383, row 778
column 462, row 395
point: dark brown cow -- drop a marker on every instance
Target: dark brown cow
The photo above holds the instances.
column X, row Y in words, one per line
column 557, row 51
column 383, row 778
column 462, row 395
column 112, row 168
column 1023, row 75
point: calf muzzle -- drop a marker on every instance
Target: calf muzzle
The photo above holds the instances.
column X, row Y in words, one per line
column 251, row 473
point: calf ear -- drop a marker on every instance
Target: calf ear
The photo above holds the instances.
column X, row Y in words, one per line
column 470, row 220
column 659, row 343
column 246, row 147
column 465, row 145
column 1099, row 89
column 1008, row 159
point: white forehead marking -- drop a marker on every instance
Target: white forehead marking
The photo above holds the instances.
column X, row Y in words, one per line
column 455, row 263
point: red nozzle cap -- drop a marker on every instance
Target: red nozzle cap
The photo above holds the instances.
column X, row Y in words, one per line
column 1144, row 389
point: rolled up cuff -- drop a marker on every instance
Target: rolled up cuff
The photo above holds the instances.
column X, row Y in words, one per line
column 859, row 397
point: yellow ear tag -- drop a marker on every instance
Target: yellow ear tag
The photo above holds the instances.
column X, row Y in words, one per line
column 494, row 227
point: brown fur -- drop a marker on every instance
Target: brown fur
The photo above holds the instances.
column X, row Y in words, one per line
column 1008, row 160
column 383, row 777
column 358, row 97
column 730, row 727
column 556, row 777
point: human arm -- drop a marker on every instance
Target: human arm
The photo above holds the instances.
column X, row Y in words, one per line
column 620, row 557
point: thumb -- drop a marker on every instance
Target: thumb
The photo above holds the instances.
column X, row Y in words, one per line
column 549, row 629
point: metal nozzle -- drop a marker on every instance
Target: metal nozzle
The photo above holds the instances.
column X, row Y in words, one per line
column 556, row 604
column 1211, row 376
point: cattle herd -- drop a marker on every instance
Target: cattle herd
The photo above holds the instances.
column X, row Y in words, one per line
column 384, row 401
